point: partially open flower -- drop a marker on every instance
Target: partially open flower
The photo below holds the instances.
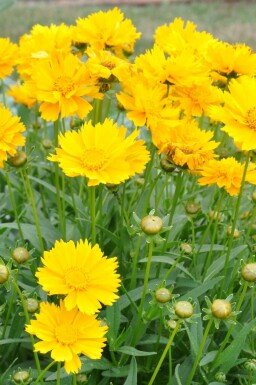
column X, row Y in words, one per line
column 248, row 272
column 151, row 224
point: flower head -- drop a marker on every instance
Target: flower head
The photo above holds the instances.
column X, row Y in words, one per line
column 227, row 173
column 102, row 153
column 67, row 334
column 10, row 134
column 82, row 273
column 8, row 57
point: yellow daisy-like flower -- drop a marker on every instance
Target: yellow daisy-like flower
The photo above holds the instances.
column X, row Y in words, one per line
column 227, row 173
column 102, row 153
column 239, row 112
column 66, row 334
column 189, row 146
column 8, row 57
column 23, row 93
column 82, row 273
column 60, row 85
column 10, row 134
column 106, row 30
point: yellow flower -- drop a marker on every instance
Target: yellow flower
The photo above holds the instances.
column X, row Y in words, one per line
column 23, row 93
column 101, row 153
column 189, row 146
column 239, row 112
column 10, row 134
column 106, row 30
column 82, row 273
column 227, row 173
column 60, row 84
column 66, row 334
column 8, row 57
column 153, row 65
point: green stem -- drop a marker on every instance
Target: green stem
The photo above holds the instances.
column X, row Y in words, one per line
column 14, row 205
column 39, row 378
column 171, row 268
column 74, row 380
column 10, row 306
column 199, row 353
column 167, row 348
column 37, row 362
column 93, row 214
column 135, row 264
column 58, row 373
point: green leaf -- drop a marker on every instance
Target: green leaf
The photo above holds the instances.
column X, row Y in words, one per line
column 14, row 341
column 113, row 320
column 168, row 260
column 209, row 357
column 134, row 352
column 201, row 289
column 132, row 375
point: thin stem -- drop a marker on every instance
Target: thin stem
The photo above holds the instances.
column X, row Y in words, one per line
column 200, row 351
column 10, row 302
column 135, row 264
column 167, row 348
column 93, row 214
column 171, row 268
column 43, row 372
column 58, row 373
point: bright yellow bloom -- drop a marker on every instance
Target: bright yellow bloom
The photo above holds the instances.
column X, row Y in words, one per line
column 8, row 57
column 23, row 93
column 42, row 42
column 66, row 334
column 60, row 84
column 82, row 273
column 153, row 65
column 227, row 173
column 239, row 112
column 10, row 134
column 102, row 153
column 106, row 30
column 189, row 146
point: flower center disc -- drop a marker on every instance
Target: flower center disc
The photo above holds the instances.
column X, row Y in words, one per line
column 76, row 279
column 94, row 159
column 64, row 85
column 66, row 334
column 251, row 118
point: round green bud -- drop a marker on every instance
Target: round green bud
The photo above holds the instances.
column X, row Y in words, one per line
column 192, row 207
column 18, row 160
column 31, row 305
column 20, row 254
column 36, row 125
column 163, row 295
column 215, row 216
column 221, row 308
column 81, row 378
column 151, row 224
column 248, row 272
column 220, row 377
column 183, row 309
column 250, row 365
column 171, row 324
column 166, row 165
column 186, row 248
column 47, row 144
column 236, row 232
column 4, row 274
column 21, row 377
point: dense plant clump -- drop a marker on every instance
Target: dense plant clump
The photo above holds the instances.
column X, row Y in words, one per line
column 128, row 209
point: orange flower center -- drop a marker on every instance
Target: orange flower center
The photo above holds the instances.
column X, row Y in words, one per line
column 76, row 278
column 94, row 159
column 108, row 64
column 66, row 334
column 251, row 118
column 64, row 85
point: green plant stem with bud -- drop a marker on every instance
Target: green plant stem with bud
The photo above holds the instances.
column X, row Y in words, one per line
column 200, row 351
column 166, row 350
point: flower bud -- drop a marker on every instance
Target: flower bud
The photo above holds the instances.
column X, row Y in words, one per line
column 250, row 365
column 163, row 295
column 221, row 308
column 31, row 305
column 36, row 125
column 171, row 324
column 47, row 144
column 215, row 216
column 112, row 186
column 236, row 232
column 81, row 379
column 4, row 274
column 140, row 181
column 186, row 248
column 192, row 208
column 151, row 224
column 183, row 309
column 248, row 272
column 220, row 377
column 254, row 196
column 21, row 377
column 75, row 123
column 20, row 254
column 166, row 165
column 18, row 160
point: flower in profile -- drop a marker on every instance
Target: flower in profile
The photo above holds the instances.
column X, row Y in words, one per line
column 66, row 334
column 102, row 153
column 239, row 112
column 10, row 134
column 81, row 273
column 23, row 93
column 61, row 82
column 8, row 57
column 106, row 30
column 189, row 146
column 227, row 173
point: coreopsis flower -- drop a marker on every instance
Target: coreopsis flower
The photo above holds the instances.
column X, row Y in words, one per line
column 238, row 112
column 66, row 334
column 81, row 273
column 23, row 93
column 8, row 57
column 177, row 37
column 61, row 84
column 40, row 44
column 152, row 64
column 106, row 30
column 189, row 146
column 102, row 153
column 11, row 137
column 227, row 173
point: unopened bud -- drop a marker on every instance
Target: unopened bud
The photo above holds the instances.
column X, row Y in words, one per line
column 31, row 305
column 183, row 309
column 186, row 248
column 248, row 272
column 166, row 165
column 163, row 295
column 21, row 377
column 192, row 207
column 221, row 308
column 20, row 254
column 236, row 232
column 250, row 365
column 4, row 274
column 47, row 144
column 18, row 160
column 220, row 377
column 151, row 224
